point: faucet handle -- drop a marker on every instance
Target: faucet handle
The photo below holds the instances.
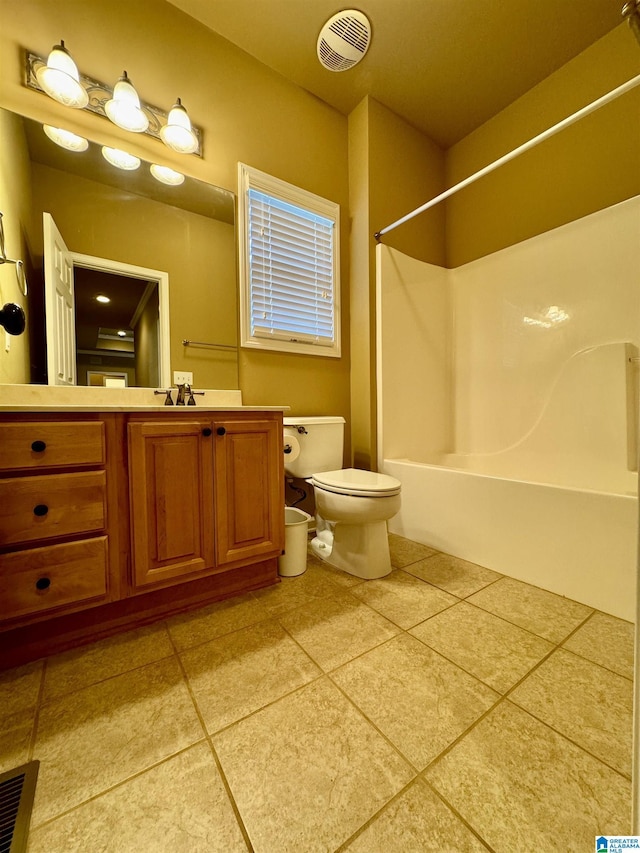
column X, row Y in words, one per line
column 168, row 399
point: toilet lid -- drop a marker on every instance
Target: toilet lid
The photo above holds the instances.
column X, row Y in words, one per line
column 353, row 481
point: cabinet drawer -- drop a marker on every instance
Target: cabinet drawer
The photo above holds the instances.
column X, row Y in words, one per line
column 43, row 578
column 34, row 508
column 51, row 444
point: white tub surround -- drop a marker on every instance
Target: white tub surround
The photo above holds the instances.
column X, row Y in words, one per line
column 514, row 432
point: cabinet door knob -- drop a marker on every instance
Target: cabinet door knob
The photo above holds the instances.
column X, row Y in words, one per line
column 221, row 430
column 207, row 431
column 40, row 509
column 38, row 446
column 43, row 583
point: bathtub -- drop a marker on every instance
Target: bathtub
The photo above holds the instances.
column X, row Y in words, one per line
column 575, row 541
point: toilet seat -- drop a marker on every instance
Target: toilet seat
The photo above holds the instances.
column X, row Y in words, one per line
column 353, row 481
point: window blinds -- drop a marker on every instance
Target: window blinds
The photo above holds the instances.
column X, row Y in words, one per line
column 291, row 267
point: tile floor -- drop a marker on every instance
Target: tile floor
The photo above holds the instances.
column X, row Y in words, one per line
column 442, row 708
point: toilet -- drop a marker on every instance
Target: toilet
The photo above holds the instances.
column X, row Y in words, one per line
column 352, row 506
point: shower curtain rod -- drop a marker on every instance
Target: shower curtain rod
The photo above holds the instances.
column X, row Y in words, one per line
column 600, row 102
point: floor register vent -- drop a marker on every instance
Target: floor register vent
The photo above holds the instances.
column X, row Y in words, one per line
column 17, row 790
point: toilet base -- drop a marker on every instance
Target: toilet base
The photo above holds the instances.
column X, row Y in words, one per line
column 358, row 549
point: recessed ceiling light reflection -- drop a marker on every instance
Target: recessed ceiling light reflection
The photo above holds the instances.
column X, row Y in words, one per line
column 102, row 298
column 166, row 175
column 122, row 333
column 65, row 139
column 120, row 158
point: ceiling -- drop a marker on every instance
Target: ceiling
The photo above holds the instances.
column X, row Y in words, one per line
column 446, row 66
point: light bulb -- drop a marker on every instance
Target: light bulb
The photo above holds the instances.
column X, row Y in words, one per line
column 120, row 158
column 166, row 175
column 101, row 298
column 60, row 79
column 177, row 132
column 124, row 108
column 65, row 139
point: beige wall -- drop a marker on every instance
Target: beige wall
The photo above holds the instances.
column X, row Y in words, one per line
column 393, row 169
column 15, row 192
column 590, row 165
column 248, row 113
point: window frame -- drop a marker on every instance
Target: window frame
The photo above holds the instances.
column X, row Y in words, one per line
column 250, row 178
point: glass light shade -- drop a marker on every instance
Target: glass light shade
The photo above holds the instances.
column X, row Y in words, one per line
column 177, row 132
column 65, row 139
column 103, row 299
column 166, row 175
column 124, row 108
column 120, row 158
column 60, row 79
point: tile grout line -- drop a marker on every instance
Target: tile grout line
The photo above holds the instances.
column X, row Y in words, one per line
column 60, row 696
column 505, row 697
column 207, row 737
column 36, row 716
column 571, row 740
column 345, row 844
column 117, row 785
column 463, row 820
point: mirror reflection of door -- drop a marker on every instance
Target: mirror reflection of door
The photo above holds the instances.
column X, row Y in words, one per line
column 59, row 309
column 104, row 318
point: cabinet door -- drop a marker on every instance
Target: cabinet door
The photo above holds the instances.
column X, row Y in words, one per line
column 170, row 484
column 249, row 487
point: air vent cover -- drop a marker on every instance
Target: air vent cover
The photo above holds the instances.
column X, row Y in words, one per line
column 344, row 40
column 17, row 790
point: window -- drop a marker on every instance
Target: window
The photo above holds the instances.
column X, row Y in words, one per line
column 289, row 267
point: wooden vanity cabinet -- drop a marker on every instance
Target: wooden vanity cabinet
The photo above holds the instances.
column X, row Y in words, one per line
column 206, row 495
column 55, row 523
column 110, row 521
column 171, row 499
column 249, row 489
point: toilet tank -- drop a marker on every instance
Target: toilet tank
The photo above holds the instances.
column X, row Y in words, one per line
column 320, row 441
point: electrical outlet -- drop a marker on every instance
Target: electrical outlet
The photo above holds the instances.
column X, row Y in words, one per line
column 182, row 377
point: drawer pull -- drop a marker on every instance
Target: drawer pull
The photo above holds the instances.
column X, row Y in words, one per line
column 40, row 510
column 207, row 431
column 43, row 583
column 221, row 431
column 39, row 446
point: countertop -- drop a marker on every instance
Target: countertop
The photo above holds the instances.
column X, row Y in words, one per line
column 59, row 398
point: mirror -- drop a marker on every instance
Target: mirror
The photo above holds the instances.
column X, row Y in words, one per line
column 115, row 223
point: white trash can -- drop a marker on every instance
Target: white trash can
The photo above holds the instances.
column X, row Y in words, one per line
column 296, row 526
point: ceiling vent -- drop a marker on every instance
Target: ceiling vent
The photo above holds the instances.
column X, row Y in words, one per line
column 344, row 40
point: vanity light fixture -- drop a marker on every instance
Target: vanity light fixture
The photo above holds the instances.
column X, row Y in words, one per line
column 66, row 139
column 102, row 298
column 121, row 159
column 177, row 132
column 121, row 105
column 124, row 108
column 166, row 175
column 60, row 79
